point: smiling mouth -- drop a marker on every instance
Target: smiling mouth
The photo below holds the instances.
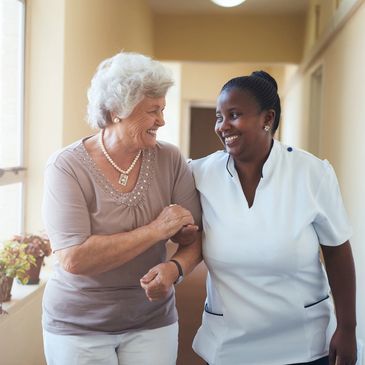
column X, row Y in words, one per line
column 152, row 132
column 231, row 139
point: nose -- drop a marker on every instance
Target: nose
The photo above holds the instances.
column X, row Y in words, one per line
column 160, row 120
column 223, row 125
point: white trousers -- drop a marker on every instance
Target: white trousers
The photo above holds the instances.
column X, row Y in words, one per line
column 145, row 347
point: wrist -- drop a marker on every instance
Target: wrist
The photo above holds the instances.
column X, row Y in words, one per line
column 348, row 328
column 180, row 272
column 154, row 232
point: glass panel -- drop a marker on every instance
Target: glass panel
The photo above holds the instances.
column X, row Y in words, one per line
column 11, row 69
column 10, row 210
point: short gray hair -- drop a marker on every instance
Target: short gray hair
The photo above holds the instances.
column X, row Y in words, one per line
column 121, row 82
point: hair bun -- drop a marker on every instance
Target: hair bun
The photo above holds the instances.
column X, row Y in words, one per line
column 264, row 75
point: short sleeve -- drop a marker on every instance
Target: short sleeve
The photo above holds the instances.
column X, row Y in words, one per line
column 184, row 192
column 64, row 209
column 331, row 223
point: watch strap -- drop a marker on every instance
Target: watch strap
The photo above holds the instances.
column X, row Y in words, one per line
column 180, row 270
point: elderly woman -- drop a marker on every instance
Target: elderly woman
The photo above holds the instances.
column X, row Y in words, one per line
column 268, row 209
column 111, row 202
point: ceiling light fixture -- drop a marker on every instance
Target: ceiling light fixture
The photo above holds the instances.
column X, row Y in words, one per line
column 228, row 3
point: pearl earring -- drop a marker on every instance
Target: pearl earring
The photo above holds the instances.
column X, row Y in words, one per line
column 266, row 128
column 116, row 120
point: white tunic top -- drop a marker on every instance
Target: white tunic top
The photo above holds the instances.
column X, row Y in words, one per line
column 268, row 295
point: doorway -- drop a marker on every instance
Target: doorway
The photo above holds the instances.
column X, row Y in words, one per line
column 203, row 140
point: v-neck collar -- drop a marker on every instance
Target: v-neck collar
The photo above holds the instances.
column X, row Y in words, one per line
column 267, row 169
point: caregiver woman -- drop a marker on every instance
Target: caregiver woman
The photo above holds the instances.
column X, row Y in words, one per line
column 268, row 208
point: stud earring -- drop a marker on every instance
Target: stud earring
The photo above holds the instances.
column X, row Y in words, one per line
column 266, row 128
column 116, row 120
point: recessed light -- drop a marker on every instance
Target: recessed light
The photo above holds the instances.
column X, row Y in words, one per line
column 228, row 3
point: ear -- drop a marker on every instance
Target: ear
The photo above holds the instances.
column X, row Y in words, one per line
column 113, row 118
column 270, row 117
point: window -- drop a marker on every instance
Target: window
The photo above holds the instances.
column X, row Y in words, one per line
column 12, row 25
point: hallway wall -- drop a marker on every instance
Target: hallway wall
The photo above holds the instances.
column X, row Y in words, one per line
column 225, row 38
column 342, row 128
column 66, row 40
column 93, row 32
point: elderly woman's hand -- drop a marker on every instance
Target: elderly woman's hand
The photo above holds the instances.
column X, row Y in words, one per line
column 186, row 236
column 159, row 280
column 171, row 220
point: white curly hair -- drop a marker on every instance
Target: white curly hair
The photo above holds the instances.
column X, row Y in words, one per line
column 121, row 82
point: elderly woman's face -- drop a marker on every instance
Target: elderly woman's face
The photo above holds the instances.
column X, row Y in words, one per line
column 142, row 124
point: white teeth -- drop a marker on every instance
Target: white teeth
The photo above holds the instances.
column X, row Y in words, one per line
column 152, row 131
column 230, row 139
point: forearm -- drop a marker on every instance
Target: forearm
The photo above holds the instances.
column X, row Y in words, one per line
column 189, row 256
column 100, row 253
column 158, row 281
column 341, row 275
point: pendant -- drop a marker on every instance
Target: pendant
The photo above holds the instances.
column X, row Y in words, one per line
column 123, row 179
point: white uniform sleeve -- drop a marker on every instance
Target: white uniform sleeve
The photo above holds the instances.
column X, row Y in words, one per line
column 331, row 222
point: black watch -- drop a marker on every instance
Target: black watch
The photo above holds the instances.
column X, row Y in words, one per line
column 180, row 278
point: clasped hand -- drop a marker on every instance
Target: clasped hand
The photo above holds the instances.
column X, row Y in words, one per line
column 176, row 223
column 158, row 282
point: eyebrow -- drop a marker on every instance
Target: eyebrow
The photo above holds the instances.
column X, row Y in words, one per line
column 229, row 110
column 157, row 106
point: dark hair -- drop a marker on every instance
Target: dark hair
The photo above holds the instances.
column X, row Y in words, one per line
column 264, row 89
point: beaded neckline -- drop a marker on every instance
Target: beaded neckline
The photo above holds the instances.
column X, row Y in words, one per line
column 124, row 174
column 132, row 198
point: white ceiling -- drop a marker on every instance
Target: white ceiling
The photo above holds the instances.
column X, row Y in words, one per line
column 248, row 7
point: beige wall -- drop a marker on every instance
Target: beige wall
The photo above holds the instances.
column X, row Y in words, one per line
column 342, row 128
column 95, row 30
column 44, row 96
column 21, row 332
column 229, row 38
column 344, row 124
column 66, row 40
column 172, row 113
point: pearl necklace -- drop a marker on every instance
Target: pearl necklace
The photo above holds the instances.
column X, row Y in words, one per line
column 123, row 178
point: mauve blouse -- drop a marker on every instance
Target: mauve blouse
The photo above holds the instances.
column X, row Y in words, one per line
column 79, row 202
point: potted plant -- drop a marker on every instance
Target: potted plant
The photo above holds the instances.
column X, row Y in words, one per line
column 15, row 262
column 38, row 246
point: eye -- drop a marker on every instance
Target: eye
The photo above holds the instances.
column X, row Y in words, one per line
column 235, row 115
column 219, row 118
column 156, row 111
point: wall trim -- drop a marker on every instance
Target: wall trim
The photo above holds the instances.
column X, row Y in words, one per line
column 340, row 18
column 342, row 15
